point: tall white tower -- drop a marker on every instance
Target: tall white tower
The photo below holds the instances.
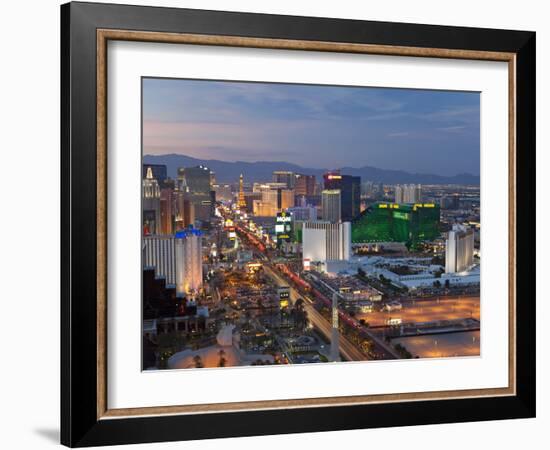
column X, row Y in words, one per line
column 188, row 255
column 459, row 249
column 151, row 188
column 326, row 241
column 408, row 193
column 151, row 203
column 335, row 338
column 398, row 194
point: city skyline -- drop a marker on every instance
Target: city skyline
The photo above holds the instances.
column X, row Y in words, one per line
column 401, row 129
column 347, row 238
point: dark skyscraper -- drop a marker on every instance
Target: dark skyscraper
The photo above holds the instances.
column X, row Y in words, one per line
column 350, row 189
column 196, row 180
column 305, row 184
column 284, row 176
column 196, row 183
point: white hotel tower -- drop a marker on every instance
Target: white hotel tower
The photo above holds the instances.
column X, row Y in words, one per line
column 176, row 258
column 325, row 241
column 188, row 261
column 459, row 249
column 158, row 252
column 408, row 193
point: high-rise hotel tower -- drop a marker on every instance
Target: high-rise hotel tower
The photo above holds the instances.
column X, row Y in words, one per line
column 151, row 204
column 177, row 258
column 459, row 249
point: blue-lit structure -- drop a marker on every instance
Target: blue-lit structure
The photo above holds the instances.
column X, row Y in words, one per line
column 182, row 234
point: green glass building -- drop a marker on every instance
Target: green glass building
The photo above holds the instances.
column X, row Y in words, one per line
column 391, row 222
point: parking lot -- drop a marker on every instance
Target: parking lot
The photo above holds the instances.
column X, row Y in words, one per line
column 427, row 311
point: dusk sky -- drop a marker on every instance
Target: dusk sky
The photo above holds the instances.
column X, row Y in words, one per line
column 313, row 126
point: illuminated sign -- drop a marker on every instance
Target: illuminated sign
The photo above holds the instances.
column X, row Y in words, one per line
column 334, row 177
column 254, row 266
column 284, row 297
column 400, row 215
column 283, row 227
column 283, row 217
column 284, row 292
column 393, row 322
column 182, row 234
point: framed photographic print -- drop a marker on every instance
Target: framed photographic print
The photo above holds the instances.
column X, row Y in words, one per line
column 277, row 224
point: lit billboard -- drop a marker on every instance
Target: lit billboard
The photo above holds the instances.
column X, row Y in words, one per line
column 283, row 227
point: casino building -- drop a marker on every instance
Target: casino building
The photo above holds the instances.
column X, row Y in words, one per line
column 350, row 193
column 324, row 242
column 409, row 224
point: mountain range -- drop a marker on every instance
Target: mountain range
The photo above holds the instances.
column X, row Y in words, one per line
column 227, row 172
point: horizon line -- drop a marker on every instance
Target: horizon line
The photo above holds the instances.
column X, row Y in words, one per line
column 310, row 168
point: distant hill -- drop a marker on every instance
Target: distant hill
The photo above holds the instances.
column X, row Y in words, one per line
column 262, row 171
